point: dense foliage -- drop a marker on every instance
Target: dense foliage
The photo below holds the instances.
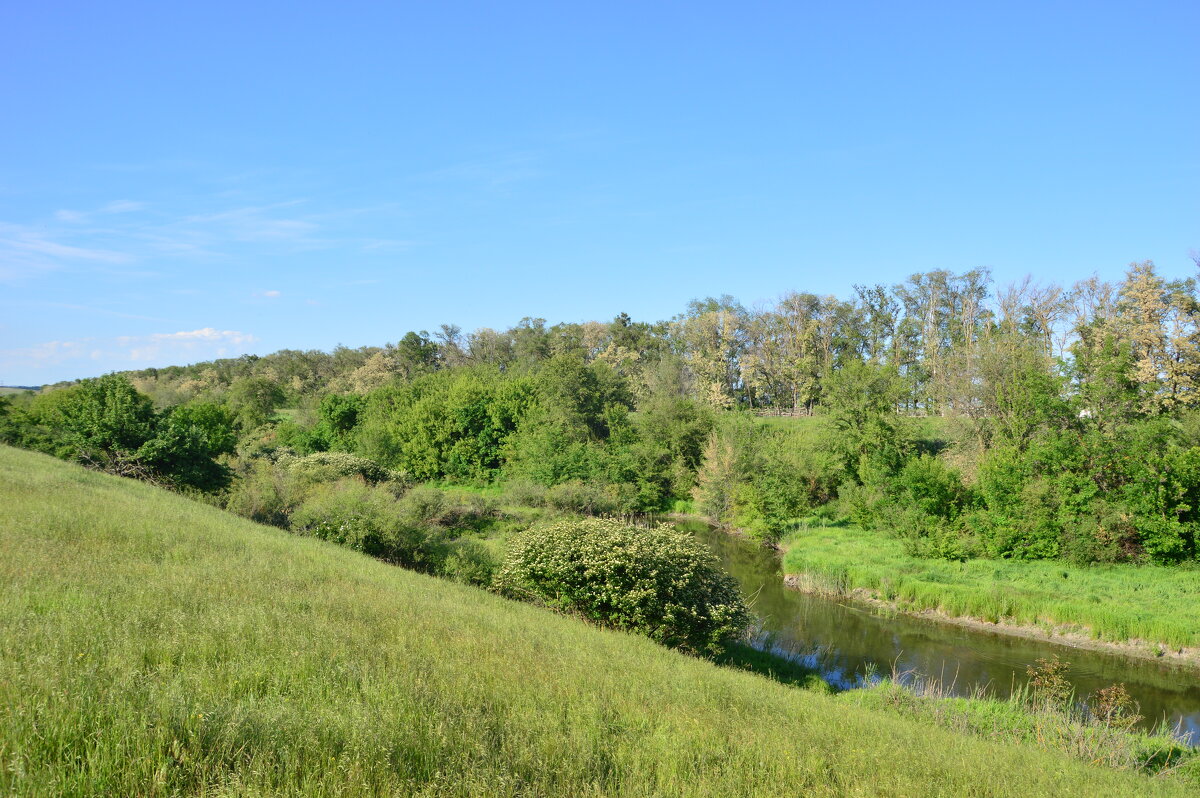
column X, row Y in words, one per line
column 1030, row 422
column 108, row 424
column 660, row 582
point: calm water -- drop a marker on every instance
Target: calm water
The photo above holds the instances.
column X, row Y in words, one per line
column 845, row 642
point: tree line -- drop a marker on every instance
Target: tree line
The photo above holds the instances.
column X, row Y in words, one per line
column 1033, row 420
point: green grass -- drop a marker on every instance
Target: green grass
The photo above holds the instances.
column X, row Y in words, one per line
column 150, row 645
column 1117, row 603
column 1019, row 719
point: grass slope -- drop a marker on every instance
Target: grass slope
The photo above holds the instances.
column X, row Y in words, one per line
column 156, row 646
column 1115, row 603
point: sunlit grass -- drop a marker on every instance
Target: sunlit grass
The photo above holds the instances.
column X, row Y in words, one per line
column 1158, row 605
column 157, row 646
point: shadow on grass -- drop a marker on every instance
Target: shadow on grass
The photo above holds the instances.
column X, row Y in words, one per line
column 746, row 658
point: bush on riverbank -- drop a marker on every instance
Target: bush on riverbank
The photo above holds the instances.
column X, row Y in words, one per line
column 660, row 582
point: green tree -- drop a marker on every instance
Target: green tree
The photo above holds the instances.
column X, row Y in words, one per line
column 253, row 400
column 452, row 424
column 103, row 421
column 416, row 354
column 185, row 441
column 861, row 400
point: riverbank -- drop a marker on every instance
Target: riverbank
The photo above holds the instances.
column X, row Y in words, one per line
column 1146, row 612
column 161, row 646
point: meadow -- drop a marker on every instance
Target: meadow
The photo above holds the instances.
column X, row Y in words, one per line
column 1153, row 606
column 158, row 646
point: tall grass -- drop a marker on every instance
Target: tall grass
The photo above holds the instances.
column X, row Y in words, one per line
column 154, row 646
column 1119, row 603
column 1025, row 719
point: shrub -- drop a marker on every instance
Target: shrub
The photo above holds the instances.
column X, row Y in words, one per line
column 530, row 494
column 470, row 562
column 424, row 504
column 1115, row 708
column 659, row 582
column 1048, row 684
column 576, row 496
column 369, row 519
column 469, row 512
column 864, row 505
column 925, row 535
column 932, row 487
column 1108, row 535
column 330, row 466
column 264, row 493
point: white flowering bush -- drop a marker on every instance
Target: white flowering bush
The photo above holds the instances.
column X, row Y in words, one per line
column 329, row 466
column 660, row 582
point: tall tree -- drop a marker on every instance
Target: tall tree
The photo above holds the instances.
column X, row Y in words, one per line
column 712, row 336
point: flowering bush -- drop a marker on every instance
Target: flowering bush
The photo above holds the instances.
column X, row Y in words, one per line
column 329, row 466
column 660, row 582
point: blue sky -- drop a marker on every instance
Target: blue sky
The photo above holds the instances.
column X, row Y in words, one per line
column 181, row 181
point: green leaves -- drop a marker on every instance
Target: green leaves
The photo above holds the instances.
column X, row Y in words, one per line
column 659, row 582
column 108, row 424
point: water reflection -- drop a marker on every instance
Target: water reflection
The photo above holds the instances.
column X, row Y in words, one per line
column 849, row 645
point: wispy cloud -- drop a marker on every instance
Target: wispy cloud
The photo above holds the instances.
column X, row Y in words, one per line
column 30, row 241
column 114, row 207
column 122, row 206
column 272, row 294
column 494, row 173
column 200, row 228
column 127, row 351
column 100, row 311
column 384, row 244
column 27, row 251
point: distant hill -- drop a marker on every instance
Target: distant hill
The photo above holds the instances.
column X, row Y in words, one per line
column 7, row 389
column 157, row 645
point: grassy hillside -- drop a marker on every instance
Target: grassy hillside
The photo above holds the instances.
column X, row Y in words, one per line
column 156, row 646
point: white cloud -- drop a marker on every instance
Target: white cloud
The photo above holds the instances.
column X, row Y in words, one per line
column 272, row 294
column 255, row 224
column 206, row 334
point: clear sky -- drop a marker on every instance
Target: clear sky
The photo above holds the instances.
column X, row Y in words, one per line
column 185, row 180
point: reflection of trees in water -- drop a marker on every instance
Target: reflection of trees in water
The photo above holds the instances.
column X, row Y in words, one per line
column 845, row 642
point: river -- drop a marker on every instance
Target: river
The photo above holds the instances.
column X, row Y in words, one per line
column 846, row 642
